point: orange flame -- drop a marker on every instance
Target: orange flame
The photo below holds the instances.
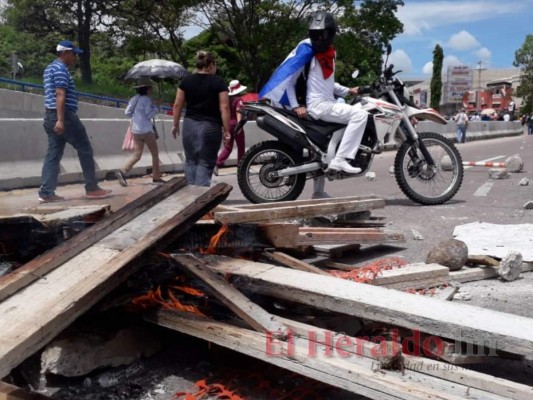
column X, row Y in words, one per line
column 155, row 298
column 189, row 290
column 213, row 243
column 209, row 391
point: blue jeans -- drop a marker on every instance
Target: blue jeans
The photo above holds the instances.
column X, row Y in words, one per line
column 201, row 142
column 74, row 134
column 460, row 134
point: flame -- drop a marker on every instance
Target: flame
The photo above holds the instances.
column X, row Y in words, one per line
column 214, row 240
column 189, row 290
column 209, row 391
column 155, row 298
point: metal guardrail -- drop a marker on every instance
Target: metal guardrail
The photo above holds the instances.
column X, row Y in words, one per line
column 115, row 101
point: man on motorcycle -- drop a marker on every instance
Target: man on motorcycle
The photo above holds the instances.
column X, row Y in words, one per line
column 322, row 89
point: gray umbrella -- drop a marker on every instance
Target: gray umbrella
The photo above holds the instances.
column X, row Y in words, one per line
column 156, row 69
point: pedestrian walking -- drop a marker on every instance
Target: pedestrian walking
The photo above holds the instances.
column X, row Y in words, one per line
column 142, row 110
column 62, row 125
column 206, row 118
column 236, row 103
column 461, row 122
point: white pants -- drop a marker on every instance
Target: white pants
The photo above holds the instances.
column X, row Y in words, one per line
column 343, row 114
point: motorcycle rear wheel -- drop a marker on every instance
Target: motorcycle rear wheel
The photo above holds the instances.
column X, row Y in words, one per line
column 425, row 184
column 255, row 173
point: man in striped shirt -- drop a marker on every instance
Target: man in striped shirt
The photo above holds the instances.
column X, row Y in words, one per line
column 62, row 125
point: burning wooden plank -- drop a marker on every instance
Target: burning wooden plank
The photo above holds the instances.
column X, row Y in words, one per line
column 250, row 312
column 348, row 363
column 35, row 315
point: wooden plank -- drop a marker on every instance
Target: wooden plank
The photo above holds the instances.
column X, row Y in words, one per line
column 310, row 236
column 50, row 260
column 418, row 363
column 35, row 315
column 336, row 250
column 280, row 235
column 468, row 274
column 11, row 392
column 353, row 372
column 452, row 320
column 422, row 283
column 446, row 294
column 291, row 262
column 482, row 260
column 336, row 265
column 273, row 211
column 251, row 313
column 411, row 272
column 298, row 203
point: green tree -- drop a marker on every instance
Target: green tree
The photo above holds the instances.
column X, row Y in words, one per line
column 436, row 79
column 53, row 20
column 364, row 32
column 262, row 33
column 524, row 60
column 149, row 28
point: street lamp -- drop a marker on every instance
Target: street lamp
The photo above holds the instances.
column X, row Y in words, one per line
column 478, row 92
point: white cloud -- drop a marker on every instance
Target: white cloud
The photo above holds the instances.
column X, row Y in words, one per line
column 418, row 17
column 401, row 61
column 447, row 61
column 428, row 68
column 462, row 41
column 484, row 54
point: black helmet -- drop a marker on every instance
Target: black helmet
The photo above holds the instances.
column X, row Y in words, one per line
column 322, row 30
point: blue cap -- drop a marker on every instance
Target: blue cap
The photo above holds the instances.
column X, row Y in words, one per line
column 68, row 45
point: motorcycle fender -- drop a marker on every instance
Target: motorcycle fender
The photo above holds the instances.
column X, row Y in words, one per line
column 426, row 114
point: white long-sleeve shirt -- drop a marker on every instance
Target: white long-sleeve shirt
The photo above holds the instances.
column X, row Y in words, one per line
column 320, row 90
column 141, row 110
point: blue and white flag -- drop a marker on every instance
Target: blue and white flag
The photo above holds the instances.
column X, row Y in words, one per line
column 286, row 75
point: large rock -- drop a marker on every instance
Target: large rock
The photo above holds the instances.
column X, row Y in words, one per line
column 451, row 253
column 510, row 266
column 80, row 354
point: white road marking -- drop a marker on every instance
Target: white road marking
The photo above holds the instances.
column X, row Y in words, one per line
column 484, row 189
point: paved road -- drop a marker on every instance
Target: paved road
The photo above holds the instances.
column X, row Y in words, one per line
column 479, row 199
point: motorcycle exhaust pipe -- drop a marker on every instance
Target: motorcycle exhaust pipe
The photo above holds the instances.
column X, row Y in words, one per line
column 301, row 169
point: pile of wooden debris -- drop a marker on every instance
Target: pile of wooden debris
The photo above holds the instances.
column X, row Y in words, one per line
column 248, row 261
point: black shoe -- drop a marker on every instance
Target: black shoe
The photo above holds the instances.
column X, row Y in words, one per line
column 120, row 177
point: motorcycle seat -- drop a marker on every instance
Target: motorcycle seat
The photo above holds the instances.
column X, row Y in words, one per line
column 316, row 125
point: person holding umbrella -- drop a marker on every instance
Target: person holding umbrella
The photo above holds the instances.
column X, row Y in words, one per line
column 141, row 109
column 206, row 120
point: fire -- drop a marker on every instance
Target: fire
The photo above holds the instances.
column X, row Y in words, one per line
column 214, row 240
column 370, row 271
column 209, row 391
column 156, row 298
column 189, row 290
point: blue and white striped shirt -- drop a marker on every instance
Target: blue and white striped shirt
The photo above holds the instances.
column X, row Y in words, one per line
column 56, row 75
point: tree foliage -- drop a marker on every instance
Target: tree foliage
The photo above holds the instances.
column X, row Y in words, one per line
column 524, row 60
column 249, row 37
column 436, row 79
column 54, row 20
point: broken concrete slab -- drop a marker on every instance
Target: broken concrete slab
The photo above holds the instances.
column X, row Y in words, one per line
column 497, row 240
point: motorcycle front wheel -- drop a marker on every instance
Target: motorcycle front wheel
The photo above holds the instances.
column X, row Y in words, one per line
column 257, row 178
column 424, row 183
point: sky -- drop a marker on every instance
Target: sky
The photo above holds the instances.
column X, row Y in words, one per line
column 468, row 31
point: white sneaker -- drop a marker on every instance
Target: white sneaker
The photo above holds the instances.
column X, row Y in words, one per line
column 340, row 164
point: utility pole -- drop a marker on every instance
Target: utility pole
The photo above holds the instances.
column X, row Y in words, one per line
column 478, row 92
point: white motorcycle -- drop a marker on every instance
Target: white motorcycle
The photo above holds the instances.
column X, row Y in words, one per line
column 428, row 167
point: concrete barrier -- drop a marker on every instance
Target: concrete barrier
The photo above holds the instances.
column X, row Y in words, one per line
column 24, row 142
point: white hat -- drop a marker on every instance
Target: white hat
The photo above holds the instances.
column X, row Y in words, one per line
column 235, row 87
